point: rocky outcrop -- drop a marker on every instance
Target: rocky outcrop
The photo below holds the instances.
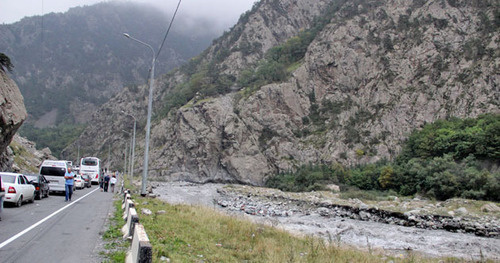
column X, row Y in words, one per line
column 367, row 78
column 377, row 71
column 12, row 116
column 27, row 158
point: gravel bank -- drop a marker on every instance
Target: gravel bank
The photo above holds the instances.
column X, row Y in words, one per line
column 390, row 238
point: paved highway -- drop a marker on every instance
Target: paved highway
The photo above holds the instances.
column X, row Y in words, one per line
column 52, row 230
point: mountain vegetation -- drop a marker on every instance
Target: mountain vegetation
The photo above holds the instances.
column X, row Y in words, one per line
column 56, row 138
column 67, row 64
column 445, row 159
column 307, row 83
column 5, row 63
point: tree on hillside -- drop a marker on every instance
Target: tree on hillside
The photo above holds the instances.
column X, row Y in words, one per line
column 5, row 63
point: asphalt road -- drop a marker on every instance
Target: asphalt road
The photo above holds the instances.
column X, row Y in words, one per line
column 70, row 234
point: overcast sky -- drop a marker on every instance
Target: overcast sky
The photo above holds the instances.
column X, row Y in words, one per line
column 226, row 12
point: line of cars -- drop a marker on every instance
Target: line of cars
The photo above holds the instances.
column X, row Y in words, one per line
column 18, row 188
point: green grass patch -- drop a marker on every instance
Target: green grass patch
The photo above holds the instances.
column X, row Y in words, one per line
column 115, row 248
column 194, row 234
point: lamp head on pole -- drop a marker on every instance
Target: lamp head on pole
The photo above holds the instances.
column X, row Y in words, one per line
column 126, row 35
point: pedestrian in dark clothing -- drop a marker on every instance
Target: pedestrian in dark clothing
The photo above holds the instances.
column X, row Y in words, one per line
column 101, row 181
column 106, row 182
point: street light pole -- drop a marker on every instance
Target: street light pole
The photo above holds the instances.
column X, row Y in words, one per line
column 129, row 149
column 109, row 155
column 148, row 123
column 133, row 145
column 125, row 161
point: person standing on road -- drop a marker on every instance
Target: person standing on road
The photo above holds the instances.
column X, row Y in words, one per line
column 69, row 176
column 106, row 182
column 101, row 180
column 112, row 182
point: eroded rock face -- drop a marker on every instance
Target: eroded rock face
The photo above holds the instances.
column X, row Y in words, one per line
column 12, row 115
column 28, row 157
column 369, row 76
column 376, row 72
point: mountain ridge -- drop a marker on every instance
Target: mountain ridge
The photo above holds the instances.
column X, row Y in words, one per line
column 65, row 73
column 375, row 72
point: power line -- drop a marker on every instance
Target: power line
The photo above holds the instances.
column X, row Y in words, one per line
column 168, row 30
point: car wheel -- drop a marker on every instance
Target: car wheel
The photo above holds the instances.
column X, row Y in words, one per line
column 38, row 196
column 47, row 194
column 19, row 201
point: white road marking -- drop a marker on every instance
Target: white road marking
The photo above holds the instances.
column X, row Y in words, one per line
column 6, row 242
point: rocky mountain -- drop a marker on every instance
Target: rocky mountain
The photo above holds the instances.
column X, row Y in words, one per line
column 26, row 157
column 12, row 116
column 310, row 82
column 67, row 64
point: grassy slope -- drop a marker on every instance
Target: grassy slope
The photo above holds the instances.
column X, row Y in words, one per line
column 191, row 234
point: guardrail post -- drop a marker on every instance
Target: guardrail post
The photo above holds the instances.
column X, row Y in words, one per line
column 128, row 228
column 141, row 250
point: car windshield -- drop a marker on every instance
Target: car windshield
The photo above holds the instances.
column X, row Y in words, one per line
column 7, row 178
column 53, row 171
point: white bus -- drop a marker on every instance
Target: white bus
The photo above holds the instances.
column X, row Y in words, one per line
column 91, row 166
column 54, row 172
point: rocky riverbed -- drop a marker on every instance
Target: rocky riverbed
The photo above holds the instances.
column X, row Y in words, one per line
column 395, row 227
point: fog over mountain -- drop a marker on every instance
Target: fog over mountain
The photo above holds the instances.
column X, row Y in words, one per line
column 66, row 64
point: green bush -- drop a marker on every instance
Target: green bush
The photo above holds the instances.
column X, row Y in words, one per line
column 5, row 63
column 57, row 138
column 443, row 160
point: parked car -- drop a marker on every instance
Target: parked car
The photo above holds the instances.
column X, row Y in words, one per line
column 41, row 185
column 79, row 182
column 87, row 180
column 17, row 188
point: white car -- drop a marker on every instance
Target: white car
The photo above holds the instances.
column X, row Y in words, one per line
column 17, row 188
column 79, row 182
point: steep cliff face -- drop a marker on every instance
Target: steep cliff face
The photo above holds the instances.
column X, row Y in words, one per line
column 12, row 115
column 375, row 72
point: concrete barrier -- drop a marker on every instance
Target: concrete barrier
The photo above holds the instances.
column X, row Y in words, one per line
column 128, row 228
column 126, row 195
column 126, row 208
column 141, row 250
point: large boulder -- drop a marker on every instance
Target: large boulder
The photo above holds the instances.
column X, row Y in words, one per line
column 12, row 115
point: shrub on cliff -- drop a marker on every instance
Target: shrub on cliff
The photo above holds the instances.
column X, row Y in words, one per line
column 5, row 63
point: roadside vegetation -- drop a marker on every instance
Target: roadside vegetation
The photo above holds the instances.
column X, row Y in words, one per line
column 115, row 247
column 445, row 159
column 184, row 233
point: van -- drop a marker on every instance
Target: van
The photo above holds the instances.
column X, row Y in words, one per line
column 54, row 172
